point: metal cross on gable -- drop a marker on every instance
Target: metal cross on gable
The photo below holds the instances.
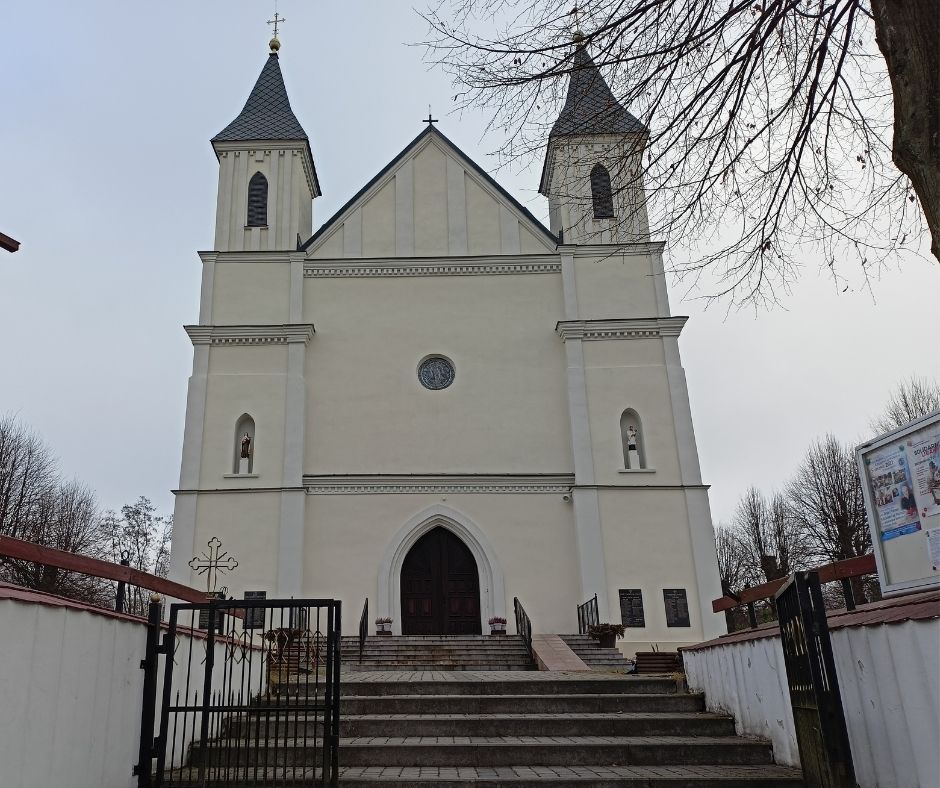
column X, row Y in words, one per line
column 211, row 562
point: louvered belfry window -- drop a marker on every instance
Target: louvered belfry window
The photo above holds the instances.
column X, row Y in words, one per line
column 600, row 193
column 258, row 201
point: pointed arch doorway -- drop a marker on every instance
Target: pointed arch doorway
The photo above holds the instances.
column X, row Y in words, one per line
column 440, row 587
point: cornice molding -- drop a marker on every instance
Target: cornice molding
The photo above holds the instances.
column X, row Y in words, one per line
column 608, row 250
column 251, row 335
column 276, row 256
column 636, row 328
column 438, row 484
column 461, row 266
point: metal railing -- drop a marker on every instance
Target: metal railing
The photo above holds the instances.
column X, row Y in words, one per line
column 523, row 624
column 363, row 628
column 588, row 616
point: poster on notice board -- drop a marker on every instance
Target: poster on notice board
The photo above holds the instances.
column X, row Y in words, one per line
column 900, row 474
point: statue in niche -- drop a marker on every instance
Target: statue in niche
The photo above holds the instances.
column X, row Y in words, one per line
column 244, row 455
column 633, row 454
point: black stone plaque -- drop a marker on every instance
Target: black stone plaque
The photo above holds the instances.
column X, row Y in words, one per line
column 631, row 607
column 219, row 617
column 254, row 616
column 677, row 607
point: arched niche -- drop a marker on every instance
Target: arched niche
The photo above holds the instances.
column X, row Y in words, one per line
column 632, row 440
column 245, row 426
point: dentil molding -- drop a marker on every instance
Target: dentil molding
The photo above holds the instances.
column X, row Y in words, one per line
column 284, row 334
column 396, row 267
column 636, row 328
column 438, row 484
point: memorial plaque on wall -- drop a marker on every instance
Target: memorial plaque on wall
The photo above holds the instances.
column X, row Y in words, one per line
column 219, row 618
column 631, row 607
column 677, row 607
column 254, row 616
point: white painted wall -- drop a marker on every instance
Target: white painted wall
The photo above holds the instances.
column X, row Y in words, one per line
column 70, row 695
column 889, row 678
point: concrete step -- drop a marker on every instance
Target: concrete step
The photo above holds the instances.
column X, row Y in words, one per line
column 587, row 776
column 594, row 656
column 439, row 665
column 533, row 682
column 523, row 704
column 254, row 726
column 489, row 751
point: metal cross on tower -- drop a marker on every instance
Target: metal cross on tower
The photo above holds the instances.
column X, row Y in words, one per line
column 276, row 21
column 212, row 562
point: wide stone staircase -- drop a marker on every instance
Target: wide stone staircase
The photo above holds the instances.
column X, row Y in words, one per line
column 456, row 729
column 432, row 652
column 595, row 657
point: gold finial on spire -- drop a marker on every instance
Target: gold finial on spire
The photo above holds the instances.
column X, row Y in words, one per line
column 576, row 35
column 274, row 43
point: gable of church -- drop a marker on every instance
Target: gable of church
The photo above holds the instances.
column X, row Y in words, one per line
column 430, row 201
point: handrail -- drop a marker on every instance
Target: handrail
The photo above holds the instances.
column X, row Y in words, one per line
column 839, row 570
column 523, row 625
column 73, row 562
column 588, row 616
column 363, row 627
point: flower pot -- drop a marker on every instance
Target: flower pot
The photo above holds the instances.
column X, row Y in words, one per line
column 607, row 641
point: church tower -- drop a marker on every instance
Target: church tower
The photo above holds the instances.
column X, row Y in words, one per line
column 592, row 173
column 267, row 178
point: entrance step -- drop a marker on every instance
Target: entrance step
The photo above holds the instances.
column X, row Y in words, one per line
column 595, row 657
column 487, row 728
column 428, row 653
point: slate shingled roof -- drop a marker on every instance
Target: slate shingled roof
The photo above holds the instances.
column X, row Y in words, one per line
column 590, row 107
column 267, row 114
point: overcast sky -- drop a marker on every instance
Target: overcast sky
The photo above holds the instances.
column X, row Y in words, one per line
column 108, row 180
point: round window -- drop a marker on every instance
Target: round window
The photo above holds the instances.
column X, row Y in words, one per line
column 436, row 372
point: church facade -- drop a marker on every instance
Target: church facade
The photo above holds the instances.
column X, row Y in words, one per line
column 437, row 403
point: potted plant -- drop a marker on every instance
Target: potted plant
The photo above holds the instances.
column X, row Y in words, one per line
column 497, row 625
column 606, row 634
column 383, row 627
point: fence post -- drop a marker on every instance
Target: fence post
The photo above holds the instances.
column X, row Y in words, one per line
column 148, row 709
column 848, row 594
column 119, row 599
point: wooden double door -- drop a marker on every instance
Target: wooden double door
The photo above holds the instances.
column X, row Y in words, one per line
column 440, row 587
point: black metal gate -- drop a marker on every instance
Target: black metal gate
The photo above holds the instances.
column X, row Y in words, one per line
column 250, row 694
column 814, row 686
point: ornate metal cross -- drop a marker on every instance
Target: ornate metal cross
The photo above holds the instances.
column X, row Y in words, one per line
column 429, row 119
column 276, row 21
column 212, row 562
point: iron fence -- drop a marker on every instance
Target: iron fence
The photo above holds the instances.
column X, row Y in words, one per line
column 363, row 628
column 253, row 699
column 821, row 733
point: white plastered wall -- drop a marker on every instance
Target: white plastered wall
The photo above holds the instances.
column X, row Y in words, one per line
column 506, row 410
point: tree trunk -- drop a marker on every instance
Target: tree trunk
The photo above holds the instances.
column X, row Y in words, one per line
column 908, row 34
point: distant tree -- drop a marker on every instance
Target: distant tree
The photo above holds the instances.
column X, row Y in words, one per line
column 825, row 500
column 774, row 544
column 910, row 400
column 770, row 124
column 143, row 538
column 734, row 568
column 28, row 476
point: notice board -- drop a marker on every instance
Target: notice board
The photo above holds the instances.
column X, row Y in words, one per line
column 900, row 473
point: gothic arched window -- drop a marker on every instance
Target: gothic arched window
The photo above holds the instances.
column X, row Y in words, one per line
column 631, row 436
column 244, row 445
column 258, row 201
column 600, row 193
